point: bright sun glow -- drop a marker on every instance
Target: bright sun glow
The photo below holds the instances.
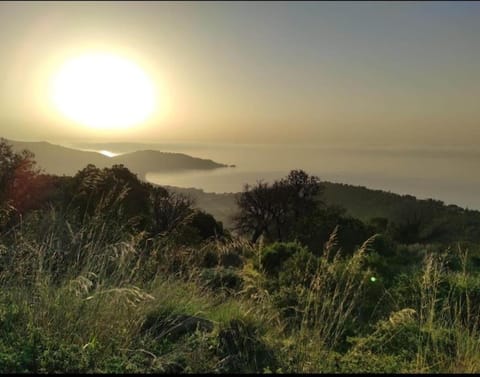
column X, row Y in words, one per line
column 103, row 91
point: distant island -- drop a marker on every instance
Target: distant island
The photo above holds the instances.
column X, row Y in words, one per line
column 59, row 160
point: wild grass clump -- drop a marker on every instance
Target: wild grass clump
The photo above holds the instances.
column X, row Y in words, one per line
column 96, row 311
column 438, row 332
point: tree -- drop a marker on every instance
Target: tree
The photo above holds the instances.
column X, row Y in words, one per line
column 111, row 190
column 15, row 170
column 305, row 190
column 206, row 225
column 170, row 209
column 273, row 210
column 315, row 230
column 22, row 187
column 256, row 212
column 419, row 221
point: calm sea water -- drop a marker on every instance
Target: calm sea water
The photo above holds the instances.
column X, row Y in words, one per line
column 447, row 174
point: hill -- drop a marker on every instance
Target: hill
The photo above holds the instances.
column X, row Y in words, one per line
column 59, row 160
column 221, row 206
column 142, row 162
column 431, row 219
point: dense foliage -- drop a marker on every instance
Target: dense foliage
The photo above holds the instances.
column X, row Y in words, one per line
column 407, row 219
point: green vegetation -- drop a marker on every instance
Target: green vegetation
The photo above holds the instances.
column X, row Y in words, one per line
column 407, row 219
column 101, row 272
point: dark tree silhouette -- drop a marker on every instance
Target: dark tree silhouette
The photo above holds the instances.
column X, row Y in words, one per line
column 273, row 209
column 111, row 190
column 206, row 225
column 256, row 213
column 169, row 209
column 16, row 170
column 22, row 187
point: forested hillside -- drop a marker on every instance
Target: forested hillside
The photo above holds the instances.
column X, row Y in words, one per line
column 417, row 220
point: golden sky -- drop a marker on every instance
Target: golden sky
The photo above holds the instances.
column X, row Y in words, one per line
column 312, row 72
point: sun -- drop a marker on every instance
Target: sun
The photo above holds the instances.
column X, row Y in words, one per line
column 103, row 91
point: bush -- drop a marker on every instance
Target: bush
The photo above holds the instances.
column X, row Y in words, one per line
column 403, row 340
column 242, row 349
column 275, row 255
column 221, row 278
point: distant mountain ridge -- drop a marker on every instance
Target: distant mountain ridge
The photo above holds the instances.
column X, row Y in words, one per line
column 59, row 160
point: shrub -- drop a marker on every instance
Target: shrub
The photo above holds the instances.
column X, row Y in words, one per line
column 221, row 278
column 275, row 255
column 242, row 349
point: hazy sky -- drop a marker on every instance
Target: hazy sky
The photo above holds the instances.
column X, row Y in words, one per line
column 284, row 72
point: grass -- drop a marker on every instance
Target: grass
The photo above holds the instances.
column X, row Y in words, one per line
column 76, row 297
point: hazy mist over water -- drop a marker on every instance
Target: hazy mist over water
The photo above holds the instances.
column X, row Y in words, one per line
column 442, row 173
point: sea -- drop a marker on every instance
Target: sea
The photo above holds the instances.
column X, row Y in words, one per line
column 446, row 173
